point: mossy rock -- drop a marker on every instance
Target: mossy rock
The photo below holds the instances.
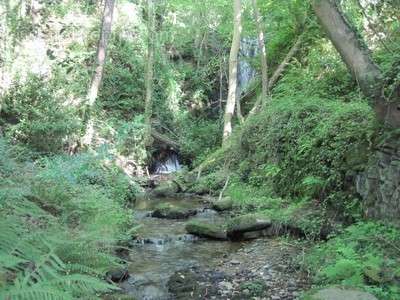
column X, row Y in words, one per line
column 119, row 297
column 378, row 275
column 172, row 212
column 246, row 223
column 117, row 275
column 223, row 204
column 338, row 293
column 165, row 189
column 206, row 230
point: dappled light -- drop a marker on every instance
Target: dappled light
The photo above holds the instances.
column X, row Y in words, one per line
column 214, row 149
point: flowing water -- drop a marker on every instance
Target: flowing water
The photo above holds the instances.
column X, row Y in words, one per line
column 163, row 247
column 246, row 73
column 169, row 165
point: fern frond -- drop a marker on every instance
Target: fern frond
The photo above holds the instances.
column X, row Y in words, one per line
column 80, row 284
column 35, row 293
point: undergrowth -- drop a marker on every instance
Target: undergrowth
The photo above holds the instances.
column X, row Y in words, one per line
column 365, row 255
column 61, row 218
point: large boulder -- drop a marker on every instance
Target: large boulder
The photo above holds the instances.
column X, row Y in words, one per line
column 338, row 293
column 223, row 204
column 172, row 212
column 246, row 223
column 206, row 230
column 165, row 189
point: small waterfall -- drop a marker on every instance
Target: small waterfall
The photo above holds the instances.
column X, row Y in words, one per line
column 246, row 73
column 169, row 164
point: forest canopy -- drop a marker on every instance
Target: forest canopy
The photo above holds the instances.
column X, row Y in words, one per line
column 289, row 109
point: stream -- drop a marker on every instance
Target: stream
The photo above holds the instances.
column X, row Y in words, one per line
column 166, row 263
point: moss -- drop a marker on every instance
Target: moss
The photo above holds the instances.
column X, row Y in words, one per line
column 207, row 230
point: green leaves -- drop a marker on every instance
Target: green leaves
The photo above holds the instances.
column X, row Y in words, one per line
column 364, row 255
column 57, row 233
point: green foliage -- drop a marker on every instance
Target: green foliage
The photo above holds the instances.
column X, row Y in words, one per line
column 364, row 255
column 60, row 220
column 305, row 147
column 199, row 137
column 34, row 116
column 122, row 93
column 256, row 288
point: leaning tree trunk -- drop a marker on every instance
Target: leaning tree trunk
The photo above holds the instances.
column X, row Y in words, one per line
column 279, row 71
column 357, row 58
column 149, row 72
column 98, row 73
column 233, row 65
column 378, row 185
column 263, row 54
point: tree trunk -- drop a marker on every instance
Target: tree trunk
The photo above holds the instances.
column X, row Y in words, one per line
column 357, row 58
column 263, row 54
column 233, row 65
column 279, row 70
column 239, row 108
column 98, row 73
column 149, row 71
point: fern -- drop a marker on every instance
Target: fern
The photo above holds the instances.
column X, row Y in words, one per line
column 56, row 234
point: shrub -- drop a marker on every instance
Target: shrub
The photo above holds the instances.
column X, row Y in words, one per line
column 305, row 147
column 60, row 219
column 364, row 255
column 35, row 117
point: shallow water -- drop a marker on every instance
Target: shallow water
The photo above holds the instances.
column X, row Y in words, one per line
column 163, row 247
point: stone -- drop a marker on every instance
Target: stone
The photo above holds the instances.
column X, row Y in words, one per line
column 246, row 223
column 337, row 293
column 227, row 286
column 223, row 204
column 206, row 230
column 117, row 275
column 165, row 189
column 172, row 212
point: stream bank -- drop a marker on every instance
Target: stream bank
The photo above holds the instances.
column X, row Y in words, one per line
column 166, row 263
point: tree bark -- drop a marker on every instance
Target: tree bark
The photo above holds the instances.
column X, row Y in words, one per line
column 98, row 73
column 239, row 114
column 149, row 71
column 279, row 70
column 357, row 58
column 233, row 65
column 263, row 54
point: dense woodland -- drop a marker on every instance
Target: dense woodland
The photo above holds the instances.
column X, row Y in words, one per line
column 285, row 109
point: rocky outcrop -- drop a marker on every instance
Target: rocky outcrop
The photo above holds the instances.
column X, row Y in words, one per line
column 117, row 275
column 337, row 293
column 206, row 230
column 223, row 204
column 172, row 212
column 240, row 225
column 379, row 185
column 165, row 189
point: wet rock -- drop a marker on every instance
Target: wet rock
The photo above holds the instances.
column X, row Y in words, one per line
column 117, row 275
column 223, row 204
column 118, row 297
column 185, row 285
column 165, row 189
column 206, row 230
column 378, row 275
column 172, row 212
column 250, row 235
column 337, row 293
column 246, row 223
